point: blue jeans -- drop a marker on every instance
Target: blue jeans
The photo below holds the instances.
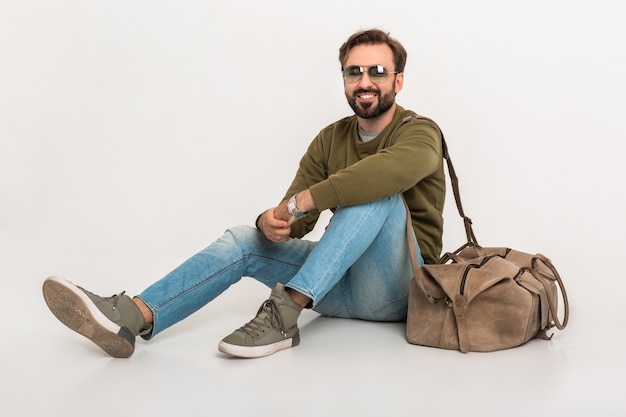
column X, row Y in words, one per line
column 360, row 267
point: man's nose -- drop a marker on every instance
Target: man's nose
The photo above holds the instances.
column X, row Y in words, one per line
column 365, row 81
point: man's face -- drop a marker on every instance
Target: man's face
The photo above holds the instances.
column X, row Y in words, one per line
column 367, row 98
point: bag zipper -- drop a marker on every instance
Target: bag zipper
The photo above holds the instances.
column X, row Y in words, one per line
column 471, row 266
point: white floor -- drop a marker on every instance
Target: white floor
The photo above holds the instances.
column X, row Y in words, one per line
column 341, row 368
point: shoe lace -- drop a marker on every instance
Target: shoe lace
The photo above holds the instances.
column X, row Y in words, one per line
column 115, row 298
column 265, row 317
column 145, row 329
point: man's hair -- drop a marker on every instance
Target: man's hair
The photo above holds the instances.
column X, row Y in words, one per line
column 374, row 37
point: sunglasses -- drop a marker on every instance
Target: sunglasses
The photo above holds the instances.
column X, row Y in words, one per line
column 377, row 73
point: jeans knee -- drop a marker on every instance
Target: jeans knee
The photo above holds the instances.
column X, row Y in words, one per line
column 386, row 203
column 242, row 236
column 242, row 232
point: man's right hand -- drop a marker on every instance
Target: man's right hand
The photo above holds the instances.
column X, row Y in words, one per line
column 272, row 228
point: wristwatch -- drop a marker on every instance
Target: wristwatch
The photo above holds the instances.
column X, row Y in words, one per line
column 292, row 208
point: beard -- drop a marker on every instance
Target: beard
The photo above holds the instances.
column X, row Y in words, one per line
column 369, row 110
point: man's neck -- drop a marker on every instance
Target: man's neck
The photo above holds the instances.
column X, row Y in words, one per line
column 379, row 123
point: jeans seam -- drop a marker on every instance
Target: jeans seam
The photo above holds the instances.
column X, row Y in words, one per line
column 329, row 266
column 198, row 283
column 387, row 303
column 346, row 299
column 244, row 258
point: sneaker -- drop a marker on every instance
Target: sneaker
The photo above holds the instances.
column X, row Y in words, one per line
column 111, row 323
column 273, row 329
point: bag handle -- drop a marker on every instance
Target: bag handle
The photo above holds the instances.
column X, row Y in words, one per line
column 552, row 303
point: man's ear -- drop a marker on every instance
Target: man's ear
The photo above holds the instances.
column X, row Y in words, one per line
column 399, row 82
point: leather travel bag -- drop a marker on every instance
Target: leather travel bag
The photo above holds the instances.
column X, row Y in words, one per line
column 481, row 299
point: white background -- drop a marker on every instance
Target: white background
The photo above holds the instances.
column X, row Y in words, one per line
column 133, row 133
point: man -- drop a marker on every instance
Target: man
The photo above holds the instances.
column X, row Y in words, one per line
column 360, row 268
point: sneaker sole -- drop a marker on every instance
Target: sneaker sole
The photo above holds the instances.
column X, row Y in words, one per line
column 255, row 351
column 75, row 310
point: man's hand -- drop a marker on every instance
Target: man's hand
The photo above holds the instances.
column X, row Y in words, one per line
column 274, row 229
column 275, row 224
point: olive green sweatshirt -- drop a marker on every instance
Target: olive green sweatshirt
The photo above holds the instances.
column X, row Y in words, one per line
column 341, row 171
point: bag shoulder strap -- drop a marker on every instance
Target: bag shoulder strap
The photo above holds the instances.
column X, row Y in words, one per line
column 454, row 180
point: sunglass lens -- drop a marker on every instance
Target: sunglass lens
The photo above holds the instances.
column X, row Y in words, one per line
column 377, row 73
column 353, row 73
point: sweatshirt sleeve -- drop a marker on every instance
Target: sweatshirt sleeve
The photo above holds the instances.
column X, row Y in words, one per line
column 414, row 155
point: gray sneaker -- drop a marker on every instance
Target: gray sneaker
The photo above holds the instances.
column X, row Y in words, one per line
column 110, row 322
column 274, row 328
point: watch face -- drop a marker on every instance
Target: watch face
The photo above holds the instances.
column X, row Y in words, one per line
column 292, row 208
